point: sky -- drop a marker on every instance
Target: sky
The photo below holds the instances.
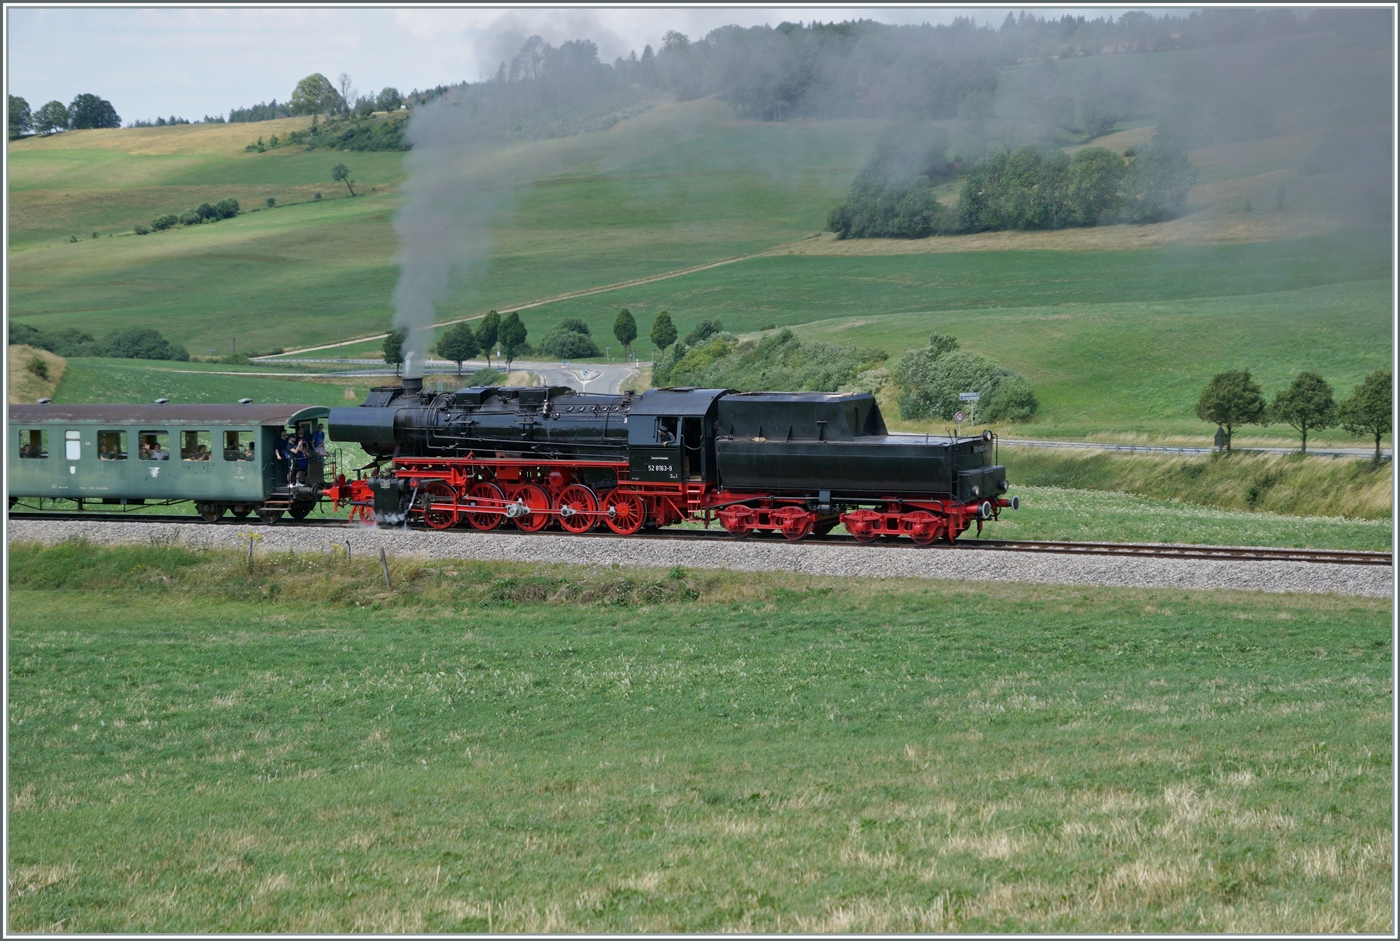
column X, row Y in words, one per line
column 195, row 61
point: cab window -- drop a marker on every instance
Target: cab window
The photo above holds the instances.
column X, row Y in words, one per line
column 111, row 445
column 33, row 443
column 238, row 446
column 194, row 445
column 154, row 445
column 666, row 429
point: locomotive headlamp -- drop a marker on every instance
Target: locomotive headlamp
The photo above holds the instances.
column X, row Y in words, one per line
column 976, row 490
column 987, row 435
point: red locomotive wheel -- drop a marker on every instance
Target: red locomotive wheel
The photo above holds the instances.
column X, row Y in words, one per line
column 577, row 509
column 923, row 527
column 624, row 512
column 793, row 522
column 738, row 521
column 485, row 495
column 862, row 524
column 439, row 503
column 363, row 515
column 536, row 502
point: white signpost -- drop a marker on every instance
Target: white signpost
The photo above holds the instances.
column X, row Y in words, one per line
column 971, row 397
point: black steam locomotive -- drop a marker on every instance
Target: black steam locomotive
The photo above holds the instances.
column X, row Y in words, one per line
column 787, row 462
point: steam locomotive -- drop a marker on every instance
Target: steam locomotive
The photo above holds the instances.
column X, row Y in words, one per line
column 785, row 462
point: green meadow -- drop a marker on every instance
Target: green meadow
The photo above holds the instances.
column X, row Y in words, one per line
column 200, row 743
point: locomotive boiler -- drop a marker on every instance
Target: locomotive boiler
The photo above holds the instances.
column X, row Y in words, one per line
column 794, row 463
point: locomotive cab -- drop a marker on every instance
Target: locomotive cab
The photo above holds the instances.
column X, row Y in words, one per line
column 671, row 436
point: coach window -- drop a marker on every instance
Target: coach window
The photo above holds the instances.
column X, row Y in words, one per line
column 238, row 445
column 194, row 445
column 153, row 445
column 72, row 445
column 33, row 442
column 111, row 445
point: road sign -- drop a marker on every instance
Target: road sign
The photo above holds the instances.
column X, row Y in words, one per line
column 968, row 396
column 957, row 418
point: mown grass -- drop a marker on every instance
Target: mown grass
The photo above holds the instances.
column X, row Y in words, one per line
column 106, row 380
column 197, row 744
column 1097, row 516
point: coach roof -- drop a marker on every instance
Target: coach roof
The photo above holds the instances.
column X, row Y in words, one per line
column 117, row 414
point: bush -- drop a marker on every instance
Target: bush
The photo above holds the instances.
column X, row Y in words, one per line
column 138, row 343
column 161, row 223
column 226, row 208
column 190, row 217
column 140, row 229
column 271, row 201
column 37, row 367
column 703, row 331
column 206, row 212
column 316, row 195
column 932, row 378
column 568, row 340
column 776, row 362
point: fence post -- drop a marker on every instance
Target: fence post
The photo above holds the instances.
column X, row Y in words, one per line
column 384, row 561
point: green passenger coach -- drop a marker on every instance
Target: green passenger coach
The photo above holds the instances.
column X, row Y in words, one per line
column 218, row 456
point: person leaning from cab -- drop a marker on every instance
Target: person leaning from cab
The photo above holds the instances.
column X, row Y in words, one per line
column 282, row 454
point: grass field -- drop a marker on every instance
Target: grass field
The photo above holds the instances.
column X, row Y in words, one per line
column 287, row 747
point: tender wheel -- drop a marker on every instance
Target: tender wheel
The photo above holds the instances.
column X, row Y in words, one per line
column 793, row 522
column 533, row 509
column 577, row 506
column 242, row 511
column 924, row 528
column 485, row 495
column 210, row 512
column 624, row 512
column 300, row 511
column 437, row 517
column 862, row 524
column 738, row 521
column 269, row 516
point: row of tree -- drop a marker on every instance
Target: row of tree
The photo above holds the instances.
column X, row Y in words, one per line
column 1233, row 398
column 84, row 112
column 569, row 339
column 225, row 208
column 1036, row 187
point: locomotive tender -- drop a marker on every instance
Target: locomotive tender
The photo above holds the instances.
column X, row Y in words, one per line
column 794, row 463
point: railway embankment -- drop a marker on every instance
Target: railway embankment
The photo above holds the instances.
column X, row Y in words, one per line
column 961, row 564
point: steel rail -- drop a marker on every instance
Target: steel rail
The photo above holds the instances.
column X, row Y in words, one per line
column 1145, row 550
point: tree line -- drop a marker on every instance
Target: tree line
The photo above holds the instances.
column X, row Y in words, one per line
column 84, row 112
column 122, row 343
column 1232, row 399
column 1038, row 186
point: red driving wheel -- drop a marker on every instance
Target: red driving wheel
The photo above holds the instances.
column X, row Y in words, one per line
column 490, row 500
column 577, row 509
column 624, row 512
column 439, row 505
column 536, row 501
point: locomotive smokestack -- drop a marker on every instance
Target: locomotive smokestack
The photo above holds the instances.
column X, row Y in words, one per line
column 412, row 385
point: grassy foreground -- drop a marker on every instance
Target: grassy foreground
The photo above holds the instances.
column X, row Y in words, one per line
column 288, row 747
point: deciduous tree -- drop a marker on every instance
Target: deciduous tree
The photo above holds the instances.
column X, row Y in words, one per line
column 393, row 347
column 341, row 174
column 1232, row 398
column 20, row 119
column 315, row 95
column 625, row 329
column 512, row 336
column 51, row 118
column 1368, row 411
column 663, row 331
column 488, row 333
column 1307, row 405
column 90, row 111
column 458, row 344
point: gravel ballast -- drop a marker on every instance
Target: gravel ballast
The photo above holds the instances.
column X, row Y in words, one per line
column 878, row 561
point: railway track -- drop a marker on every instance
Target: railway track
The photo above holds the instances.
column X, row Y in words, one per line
column 1146, row 550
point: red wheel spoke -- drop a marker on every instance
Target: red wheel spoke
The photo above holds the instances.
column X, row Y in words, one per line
column 624, row 512
column 577, row 509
